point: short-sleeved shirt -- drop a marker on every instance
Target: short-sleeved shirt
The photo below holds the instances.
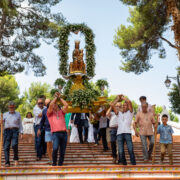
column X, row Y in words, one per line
column 13, row 120
column 145, row 121
column 103, row 122
column 113, row 120
column 57, row 121
column 124, row 122
column 36, row 112
column 165, row 134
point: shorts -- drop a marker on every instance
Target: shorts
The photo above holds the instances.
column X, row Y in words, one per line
column 48, row 136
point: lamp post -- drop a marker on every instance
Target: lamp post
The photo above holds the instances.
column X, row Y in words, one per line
column 167, row 82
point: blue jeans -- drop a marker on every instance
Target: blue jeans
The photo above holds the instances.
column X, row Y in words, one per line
column 11, row 135
column 113, row 134
column 104, row 139
column 122, row 138
column 40, row 145
column 147, row 153
column 59, row 140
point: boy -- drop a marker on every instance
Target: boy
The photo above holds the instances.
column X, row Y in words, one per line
column 166, row 139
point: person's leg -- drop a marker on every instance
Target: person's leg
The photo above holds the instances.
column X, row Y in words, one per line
column 163, row 151
column 95, row 131
column 43, row 144
column 113, row 135
column 129, row 143
column 79, row 127
column 7, row 143
column 48, row 140
column 15, row 137
column 86, row 128
column 49, row 150
column 103, row 134
column 151, row 145
column 55, row 147
column 38, row 143
column 35, row 138
column 63, row 143
column 169, row 148
column 120, row 140
column 99, row 134
column 144, row 147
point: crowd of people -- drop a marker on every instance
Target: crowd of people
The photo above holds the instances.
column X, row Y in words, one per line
column 51, row 126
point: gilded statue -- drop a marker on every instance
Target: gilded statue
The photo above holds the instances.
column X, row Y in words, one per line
column 78, row 64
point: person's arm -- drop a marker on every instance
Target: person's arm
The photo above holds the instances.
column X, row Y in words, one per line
column 41, row 123
column 129, row 103
column 135, row 125
column 37, row 112
column 20, row 126
column 112, row 107
column 108, row 112
column 65, row 105
column 51, row 105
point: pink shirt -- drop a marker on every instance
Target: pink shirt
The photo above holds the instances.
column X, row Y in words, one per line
column 57, row 121
column 145, row 121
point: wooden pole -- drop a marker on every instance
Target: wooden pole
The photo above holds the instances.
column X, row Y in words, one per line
column 1, row 139
column 155, row 139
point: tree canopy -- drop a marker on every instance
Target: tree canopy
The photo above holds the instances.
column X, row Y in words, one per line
column 22, row 24
column 9, row 91
column 30, row 97
column 174, row 99
column 149, row 19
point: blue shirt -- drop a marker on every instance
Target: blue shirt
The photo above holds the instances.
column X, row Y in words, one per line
column 44, row 123
column 13, row 120
column 165, row 134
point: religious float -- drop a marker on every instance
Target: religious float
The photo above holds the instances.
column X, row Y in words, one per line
column 81, row 95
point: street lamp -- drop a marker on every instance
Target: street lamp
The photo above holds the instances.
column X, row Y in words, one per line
column 167, row 82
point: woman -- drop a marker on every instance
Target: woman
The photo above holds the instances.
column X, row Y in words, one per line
column 28, row 128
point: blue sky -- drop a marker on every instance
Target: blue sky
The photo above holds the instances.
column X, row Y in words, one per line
column 104, row 17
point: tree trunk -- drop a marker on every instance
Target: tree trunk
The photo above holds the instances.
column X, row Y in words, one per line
column 175, row 13
column 2, row 23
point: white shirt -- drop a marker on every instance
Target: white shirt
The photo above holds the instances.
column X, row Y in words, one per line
column 13, row 120
column 36, row 112
column 83, row 116
column 124, row 122
column 113, row 120
column 103, row 122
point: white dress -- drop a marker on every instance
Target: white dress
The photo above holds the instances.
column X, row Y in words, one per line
column 74, row 137
column 28, row 124
column 90, row 133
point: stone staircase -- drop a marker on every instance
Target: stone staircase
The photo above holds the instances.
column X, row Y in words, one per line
column 86, row 161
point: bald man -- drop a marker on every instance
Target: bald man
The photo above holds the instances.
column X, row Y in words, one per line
column 45, row 126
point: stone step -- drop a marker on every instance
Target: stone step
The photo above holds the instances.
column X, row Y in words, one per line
column 90, row 172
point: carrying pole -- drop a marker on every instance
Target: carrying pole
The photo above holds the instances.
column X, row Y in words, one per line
column 155, row 139
column 1, row 139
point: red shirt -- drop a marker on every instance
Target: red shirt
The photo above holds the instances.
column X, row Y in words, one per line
column 57, row 121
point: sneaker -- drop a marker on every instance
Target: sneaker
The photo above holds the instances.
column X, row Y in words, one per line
column 49, row 162
column 7, row 165
column 38, row 159
column 114, row 160
column 16, row 163
column 161, row 162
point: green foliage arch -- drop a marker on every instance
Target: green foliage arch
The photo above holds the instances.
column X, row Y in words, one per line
column 89, row 46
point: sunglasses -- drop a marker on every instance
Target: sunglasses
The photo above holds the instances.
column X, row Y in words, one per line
column 40, row 103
